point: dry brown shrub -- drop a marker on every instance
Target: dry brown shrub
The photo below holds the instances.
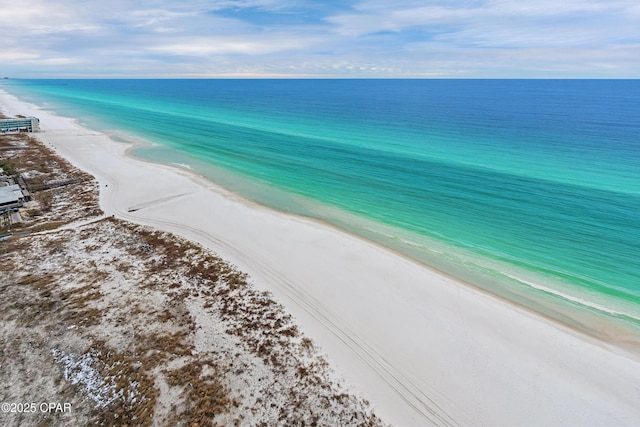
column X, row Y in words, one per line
column 207, row 395
column 136, row 389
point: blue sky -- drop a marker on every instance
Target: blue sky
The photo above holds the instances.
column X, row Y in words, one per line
column 308, row 38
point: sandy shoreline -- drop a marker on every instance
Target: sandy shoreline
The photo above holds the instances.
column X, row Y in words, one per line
column 421, row 347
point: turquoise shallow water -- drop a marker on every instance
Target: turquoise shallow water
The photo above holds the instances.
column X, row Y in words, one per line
column 528, row 188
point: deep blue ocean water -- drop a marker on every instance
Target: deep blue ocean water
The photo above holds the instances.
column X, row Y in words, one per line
column 527, row 188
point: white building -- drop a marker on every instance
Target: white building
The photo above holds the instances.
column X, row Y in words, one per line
column 26, row 124
column 11, row 197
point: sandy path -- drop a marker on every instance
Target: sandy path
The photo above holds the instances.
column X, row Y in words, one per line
column 424, row 349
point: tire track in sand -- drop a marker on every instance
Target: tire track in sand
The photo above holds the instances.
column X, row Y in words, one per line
column 414, row 395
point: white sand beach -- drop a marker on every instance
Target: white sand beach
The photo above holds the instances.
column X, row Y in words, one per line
column 421, row 347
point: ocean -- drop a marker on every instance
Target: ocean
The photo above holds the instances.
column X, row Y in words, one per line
column 529, row 189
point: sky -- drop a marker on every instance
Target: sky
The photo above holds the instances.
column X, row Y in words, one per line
column 332, row 39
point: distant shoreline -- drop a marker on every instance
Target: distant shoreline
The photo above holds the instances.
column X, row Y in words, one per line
column 393, row 328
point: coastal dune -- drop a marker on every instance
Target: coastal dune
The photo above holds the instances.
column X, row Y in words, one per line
column 423, row 348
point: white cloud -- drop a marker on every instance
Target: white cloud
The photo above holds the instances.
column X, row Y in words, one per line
column 229, row 45
column 371, row 38
column 391, row 19
column 153, row 17
column 498, row 22
column 56, row 61
column 38, row 18
column 17, row 54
